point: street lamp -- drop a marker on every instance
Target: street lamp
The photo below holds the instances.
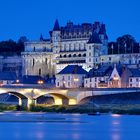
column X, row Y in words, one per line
column 40, row 82
column 17, row 81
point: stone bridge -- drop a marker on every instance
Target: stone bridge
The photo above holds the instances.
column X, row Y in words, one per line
column 28, row 94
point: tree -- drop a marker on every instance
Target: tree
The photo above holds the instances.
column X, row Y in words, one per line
column 126, row 44
column 20, row 44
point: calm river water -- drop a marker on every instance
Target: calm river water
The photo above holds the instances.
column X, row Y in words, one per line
column 70, row 127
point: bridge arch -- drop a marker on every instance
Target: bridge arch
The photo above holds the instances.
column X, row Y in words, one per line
column 23, row 100
column 59, row 99
column 82, row 96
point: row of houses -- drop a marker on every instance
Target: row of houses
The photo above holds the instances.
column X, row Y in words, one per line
column 106, row 76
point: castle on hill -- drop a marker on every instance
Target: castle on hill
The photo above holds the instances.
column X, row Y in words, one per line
column 85, row 45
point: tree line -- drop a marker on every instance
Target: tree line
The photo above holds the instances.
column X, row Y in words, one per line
column 11, row 47
column 124, row 45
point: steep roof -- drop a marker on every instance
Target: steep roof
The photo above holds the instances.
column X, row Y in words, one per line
column 41, row 38
column 73, row 69
column 119, row 69
column 103, row 31
column 135, row 72
column 104, row 70
column 56, row 26
column 94, row 38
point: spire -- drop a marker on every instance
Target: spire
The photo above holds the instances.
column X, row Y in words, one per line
column 94, row 38
column 56, row 26
column 41, row 37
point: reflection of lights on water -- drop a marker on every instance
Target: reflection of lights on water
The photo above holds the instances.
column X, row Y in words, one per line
column 115, row 122
column 39, row 135
column 76, row 136
column 17, row 135
column 115, row 115
column 116, row 136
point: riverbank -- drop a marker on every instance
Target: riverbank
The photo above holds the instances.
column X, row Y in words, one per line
column 131, row 109
column 127, row 103
column 102, row 108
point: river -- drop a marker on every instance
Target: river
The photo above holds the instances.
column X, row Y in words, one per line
column 41, row 126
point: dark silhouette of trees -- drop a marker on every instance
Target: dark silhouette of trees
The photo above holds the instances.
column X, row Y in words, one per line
column 11, row 47
column 124, row 45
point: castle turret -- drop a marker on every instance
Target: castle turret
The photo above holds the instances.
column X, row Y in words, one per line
column 56, row 37
column 41, row 38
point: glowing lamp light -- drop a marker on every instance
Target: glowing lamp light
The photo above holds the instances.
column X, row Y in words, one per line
column 115, row 115
column 17, row 81
column 76, row 79
column 116, row 78
column 40, row 82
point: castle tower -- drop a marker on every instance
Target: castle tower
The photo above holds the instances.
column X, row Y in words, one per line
column 104, row 39
column 56, row 37
column 93, row 53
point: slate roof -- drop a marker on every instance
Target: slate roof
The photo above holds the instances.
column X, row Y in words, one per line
column 7, row 76
column 73, row 69
column 135, row 72
column 94, row 38
column 72, row 31
column 101, row 71
column 119, row 69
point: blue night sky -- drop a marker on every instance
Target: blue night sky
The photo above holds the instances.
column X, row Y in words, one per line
column 33, row 17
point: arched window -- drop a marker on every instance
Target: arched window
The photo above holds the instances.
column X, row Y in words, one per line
column 74, row 55
column 60, row 56
column 65, row 55
column 69, row 55
column 84, row 55
column 79, row 55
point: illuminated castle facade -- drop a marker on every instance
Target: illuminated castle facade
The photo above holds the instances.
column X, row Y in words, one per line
column 69, row 45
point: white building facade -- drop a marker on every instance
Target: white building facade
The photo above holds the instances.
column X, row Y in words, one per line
column 69, row 45
column 72, row 76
